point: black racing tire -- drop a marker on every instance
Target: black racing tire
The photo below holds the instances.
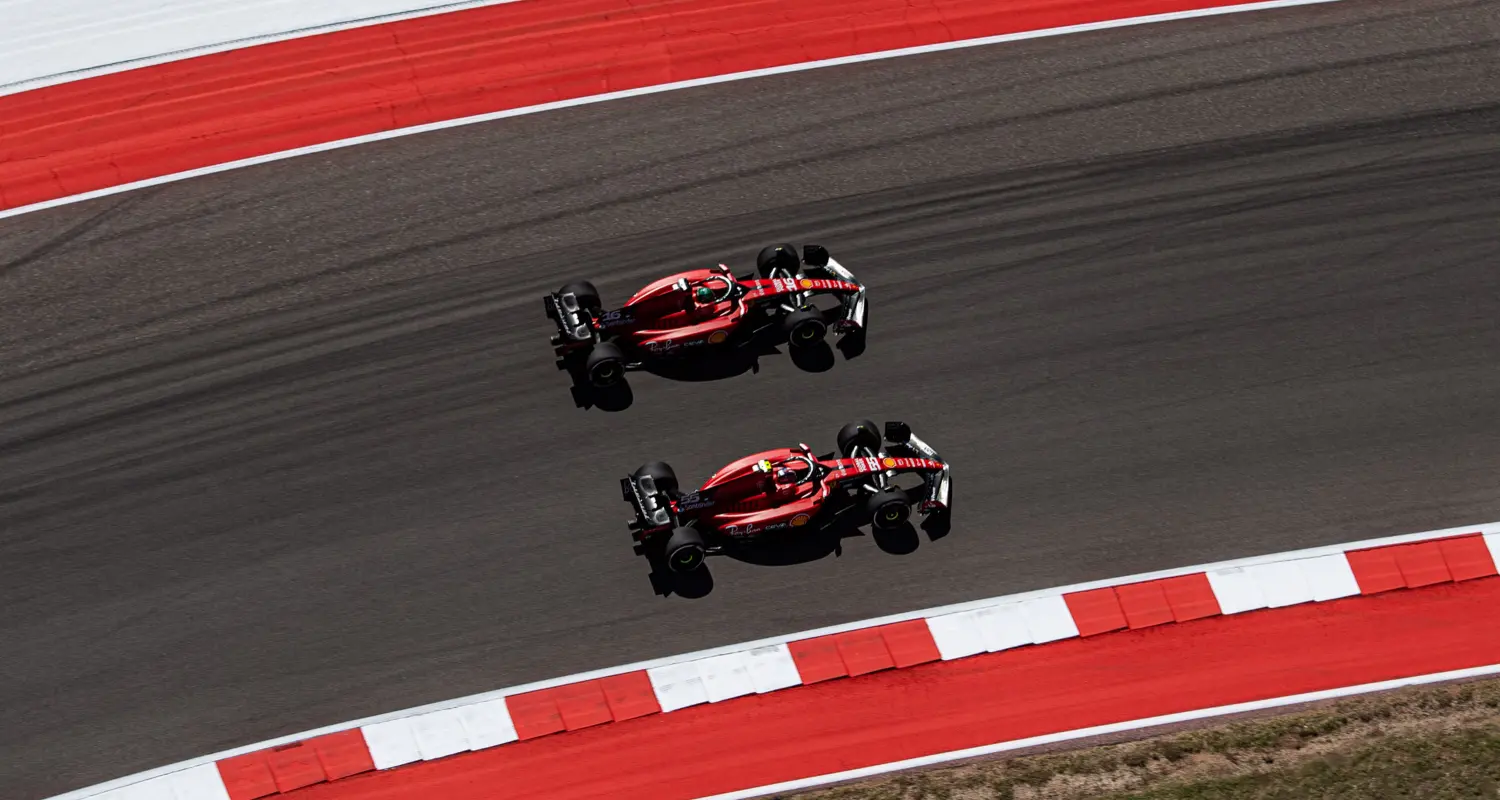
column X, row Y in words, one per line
column 772, row 257
column 888, row 510
column 858, row 434
column 605, row 365
column 661, row 475
column 588, row 296
column 684, row 550
column 804, row 327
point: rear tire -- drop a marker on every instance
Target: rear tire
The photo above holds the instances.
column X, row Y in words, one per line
column 805, row 328
column 684, row 550
column 588, row 296
column 662, row 476
column 605, row 365
column 888, row 510
column 858, row 434
column 777, row 256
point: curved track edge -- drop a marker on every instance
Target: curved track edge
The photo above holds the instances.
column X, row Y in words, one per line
column 1256, row 586
column 1146, row 723
column 443, row 124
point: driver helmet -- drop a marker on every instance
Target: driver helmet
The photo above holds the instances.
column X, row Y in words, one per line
column 784, row 475
column 703, row 295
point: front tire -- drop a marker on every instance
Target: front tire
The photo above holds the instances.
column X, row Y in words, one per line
column 605, row 365
column 805, row 328
column 684, row 550
column 781, row 257
column 856, row 435
column 888, row 510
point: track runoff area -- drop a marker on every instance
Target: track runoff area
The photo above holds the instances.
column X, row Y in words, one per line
column 352, row 83
column 886, row 694
column 913, row 690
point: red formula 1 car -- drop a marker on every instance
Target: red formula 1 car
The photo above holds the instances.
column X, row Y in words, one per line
column 688, row 313
column 787, row 492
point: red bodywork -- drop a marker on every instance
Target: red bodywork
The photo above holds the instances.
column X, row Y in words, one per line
column 744, row 498
column 663, row 317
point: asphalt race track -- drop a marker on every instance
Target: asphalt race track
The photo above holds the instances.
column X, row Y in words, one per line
column 286, row 446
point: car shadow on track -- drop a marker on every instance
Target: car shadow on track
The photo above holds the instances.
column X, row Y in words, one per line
column 801, row 550
column 714, row 366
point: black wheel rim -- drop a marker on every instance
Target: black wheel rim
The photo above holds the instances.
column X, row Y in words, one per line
column 686, row 558
column 606, row 373
column 890, row 515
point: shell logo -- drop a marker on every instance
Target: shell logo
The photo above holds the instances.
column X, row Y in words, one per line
column 717, row 336
column 889, row 462
column 806, row 284
column 799, row 520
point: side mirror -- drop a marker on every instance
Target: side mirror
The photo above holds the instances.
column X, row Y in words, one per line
column 897, row 432
column 814, row 255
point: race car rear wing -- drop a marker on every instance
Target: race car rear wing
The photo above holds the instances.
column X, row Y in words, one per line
column 937, row 486
column 853, row 305
column 575, row 325
column 652, row 506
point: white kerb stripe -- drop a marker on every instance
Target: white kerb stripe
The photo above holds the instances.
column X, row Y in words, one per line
column 677, row 685
column 1049, row 619
column 154, row 789
column 772, row 668
column 202, row 782
column 488, row 723
column 1492, row 541
column 391, row 743
column 1235, row 590
column 1005, row 625
column 440, row 734
column 195, row 783
column 646, row 90
column 725, row 677
column 1281, row 583
column 956, row 635
column 1330, row 577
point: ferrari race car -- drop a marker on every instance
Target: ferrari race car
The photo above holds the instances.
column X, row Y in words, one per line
column 683, row 314
column 787, row 491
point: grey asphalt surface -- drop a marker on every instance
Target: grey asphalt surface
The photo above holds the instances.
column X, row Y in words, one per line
column 285, row 446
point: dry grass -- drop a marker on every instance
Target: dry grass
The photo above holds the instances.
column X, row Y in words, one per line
column 1424, row 743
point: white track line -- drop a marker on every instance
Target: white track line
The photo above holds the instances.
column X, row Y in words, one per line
column 1083, row 733
column 92, row 791
column 648, row 90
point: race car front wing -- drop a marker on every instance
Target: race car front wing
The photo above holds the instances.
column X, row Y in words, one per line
column 937, row 486
column 852, row 306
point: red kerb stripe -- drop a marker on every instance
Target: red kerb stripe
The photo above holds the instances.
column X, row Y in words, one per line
column 158, row 120
column 1095, row 611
